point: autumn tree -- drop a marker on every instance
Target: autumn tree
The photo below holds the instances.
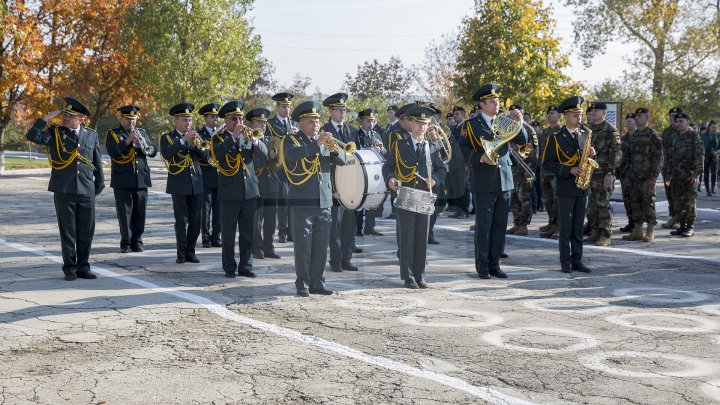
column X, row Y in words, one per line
column 678, row 40
column 513, row 43
column 390, row 81
column 438, row 70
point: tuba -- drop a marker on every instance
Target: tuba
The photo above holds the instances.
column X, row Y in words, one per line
column 443, row 142
column 587, row 165
column 505, row 127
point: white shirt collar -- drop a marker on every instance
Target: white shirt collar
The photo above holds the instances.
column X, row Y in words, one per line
column 416, row 142
column 336, row 124
column 486, row 117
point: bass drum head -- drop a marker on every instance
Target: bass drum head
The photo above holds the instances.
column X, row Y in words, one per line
column 359, row 183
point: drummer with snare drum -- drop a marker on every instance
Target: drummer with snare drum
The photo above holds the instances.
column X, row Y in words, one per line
column 414, row 169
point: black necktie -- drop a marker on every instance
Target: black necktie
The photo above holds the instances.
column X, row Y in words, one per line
column 286, row 124
column 340, row 131
column 418, row 151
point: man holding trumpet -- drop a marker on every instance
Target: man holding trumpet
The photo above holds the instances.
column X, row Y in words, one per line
column 182, row 151
column 129, row 148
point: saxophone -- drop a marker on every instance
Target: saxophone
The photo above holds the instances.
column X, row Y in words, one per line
column 587, row 165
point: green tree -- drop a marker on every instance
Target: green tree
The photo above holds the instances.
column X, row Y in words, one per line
column 390, row 81
column 513, row 44
column 200, row 50
column 678, row 40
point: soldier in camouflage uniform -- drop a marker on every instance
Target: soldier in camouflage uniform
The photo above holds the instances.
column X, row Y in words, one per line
column 686, row 164
column 668, row 138
column 547, row 178
column 631, row 127
column 606, row 141
column 642, row 155
column 521, row 197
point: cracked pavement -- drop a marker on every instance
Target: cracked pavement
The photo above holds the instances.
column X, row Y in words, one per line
column 641, row 329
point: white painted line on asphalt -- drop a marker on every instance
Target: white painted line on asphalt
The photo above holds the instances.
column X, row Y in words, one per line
column 599, row 248
column 712, row 389
column 485, row 393
column 703, row 324
column 695, row 367
column 496, row 338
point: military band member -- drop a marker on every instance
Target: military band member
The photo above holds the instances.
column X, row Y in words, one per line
column 456, row 186
column 76, row 179
column 631, row 127
column 370, row 139
column 394, row 119
column 686, row 166
column 210, row 217
column 642, row 159
column 668, row 140
column 562, row 156
column 415, row 163
column 307, row 166
column 342, row 231
column 547, row 178
column 491, row 182
column 521, row 196
column 269, row 187
column 181, row 150
column 607, row 144
column 279, row 126
column 129, row 147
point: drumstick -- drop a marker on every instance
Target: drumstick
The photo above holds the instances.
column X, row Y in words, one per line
column 423, row 179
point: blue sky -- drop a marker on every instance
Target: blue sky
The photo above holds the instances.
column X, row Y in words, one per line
column 325, row 39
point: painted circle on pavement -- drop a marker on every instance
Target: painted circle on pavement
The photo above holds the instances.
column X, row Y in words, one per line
column 568, row 305
column 657, row 295
column 498, row 337
column 452, row 318
column 693, row 367
column 700, row 324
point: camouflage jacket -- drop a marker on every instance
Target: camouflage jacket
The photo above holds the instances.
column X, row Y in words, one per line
column 607, row 144
column 668, row 137
column 688, row 155
column 642, row 155
column 532, row 157
column 622, row 168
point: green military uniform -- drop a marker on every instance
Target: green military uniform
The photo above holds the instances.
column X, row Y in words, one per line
column 75, row 180
column 409, row 158
column 238, row 192
column 642, row 157
column 307, row 167
column 686, row 165
column 210, row 216
column 547, row 182
column 185, row 184
column 130, row 180
column 668, row 140
column 624, row 185
column 521, row 197
column 607, row 144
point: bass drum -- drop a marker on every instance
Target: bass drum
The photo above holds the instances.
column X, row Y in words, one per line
column 359, row 184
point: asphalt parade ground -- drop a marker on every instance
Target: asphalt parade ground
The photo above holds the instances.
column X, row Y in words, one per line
column 642, row 328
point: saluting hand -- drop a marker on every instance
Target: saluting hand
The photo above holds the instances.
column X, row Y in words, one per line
column 51, row 115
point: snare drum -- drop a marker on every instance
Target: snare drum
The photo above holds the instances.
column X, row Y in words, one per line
column 414, row 200
column 359, row 184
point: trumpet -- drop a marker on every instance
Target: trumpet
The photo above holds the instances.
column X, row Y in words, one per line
column 199, row 143
column 333, row 145
column 253, row 134
column 140, row 143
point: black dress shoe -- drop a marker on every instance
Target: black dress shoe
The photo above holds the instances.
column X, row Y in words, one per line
column 373, row 232
column 192, row 259
column 257, row 254
column 411, row 284
column 137, row 248
column 432, row 240
column 504, row 255
column 216, row 243
column 230, row 275
column 498, row 273
column 335, row 267
column 87, row 274
column 247, row 273
column 566, row 270
column 484, row 276
column 357, row 249
column 180, row 260
column 124, row 249
column 581, row 268
column 282, row 238
column 303, row 292
column 421, row 283
column 70, row 276
column 348, row 266
column 206, row 244
column 321, row 291
column 271, row 254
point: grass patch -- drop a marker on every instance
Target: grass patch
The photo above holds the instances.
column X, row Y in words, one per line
column 15, row 163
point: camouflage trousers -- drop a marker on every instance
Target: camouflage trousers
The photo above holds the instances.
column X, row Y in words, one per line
column 521, row 200
column 598, row 209
column 642, row 201
column 669, row 195
column 684, row 197
column 625, row 187
column 547, row 183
